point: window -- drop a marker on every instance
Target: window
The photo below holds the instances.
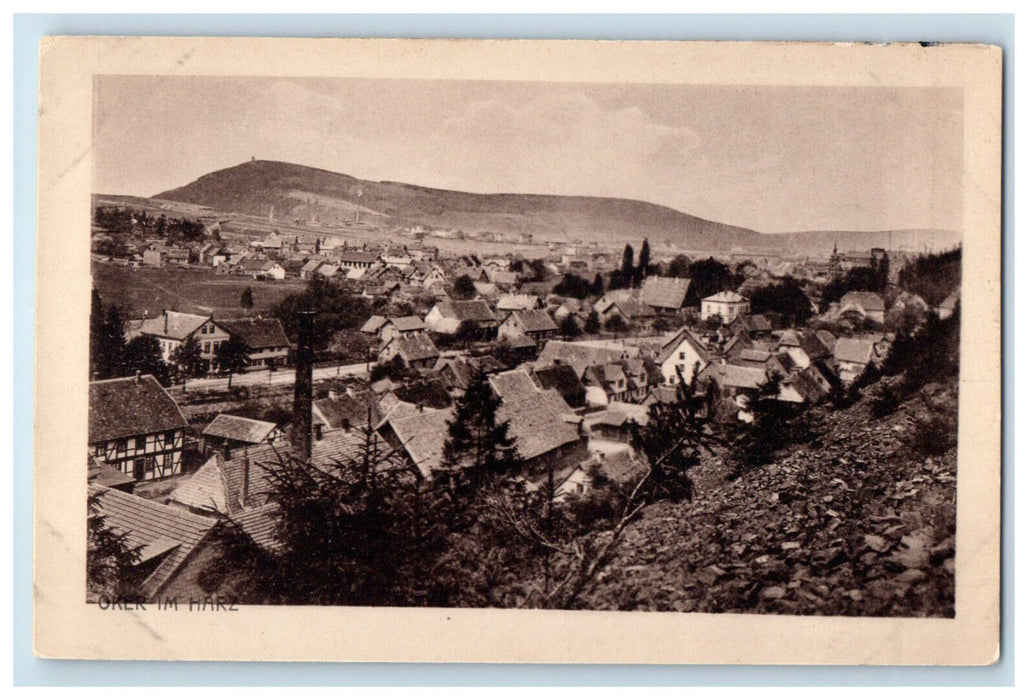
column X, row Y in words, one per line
column 170, row 438
column 682, row 356
column 120, row 445
column 208, row 347
column 139, row 442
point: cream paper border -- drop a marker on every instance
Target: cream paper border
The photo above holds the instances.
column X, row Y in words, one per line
column 66, row 627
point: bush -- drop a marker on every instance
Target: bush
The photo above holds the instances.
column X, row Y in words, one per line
column 934, row 434
column 885, row 401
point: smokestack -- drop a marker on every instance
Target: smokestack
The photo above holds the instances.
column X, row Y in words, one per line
column 302, row 417
column 244, row 481
column 226, row 451
column 136, row 377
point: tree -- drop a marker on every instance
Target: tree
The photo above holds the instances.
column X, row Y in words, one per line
column 232, row 357
column 628, row 270
column 674, row 440
column 573, row 286
column 785, row 298
column 772, row 427
column 463, row 287
column 144, row 355
column 598, row 286
column 336, row 309
column 187, row 360
column 98, row 360
column 477, row 445
column 644, row 262
column 247, row 300
column 592, row 325
column 352, row 346
column 110, row 559
column 113, row 344
column 569, row 326
column 615, row 324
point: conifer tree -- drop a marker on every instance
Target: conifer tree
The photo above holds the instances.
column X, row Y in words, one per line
column 592, row 325
column 247, row 299
column 628, row 270
column 477, row 445
column 644, row 262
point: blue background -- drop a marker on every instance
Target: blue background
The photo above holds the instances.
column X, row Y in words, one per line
column 28, row 29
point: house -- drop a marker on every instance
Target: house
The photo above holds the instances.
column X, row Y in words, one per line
column 564, row 380
column 865, row 305
column 633, row 313
column 803, row 346
column 605, row 384
column 373, row 325
column 227, row 432
column 100, row 473
column 154, row 256
column 173, row 328
column 754, row 325
column 736, row 382
column 260, row 269
column 174, row 544
column 458, row 373
column 619, row 421
column 573, row 480
column 417, row 351
column 309, row 269
column 544, row 432
column 447, row 315
column 401, row 325
column 852, row 355
column 665, row 294
column 136, row 427
column 358, row 260
column 347, row 411
column 579, row 354
column 725, row 305
column 537, row 325
column 267, row 344
column 679, row 354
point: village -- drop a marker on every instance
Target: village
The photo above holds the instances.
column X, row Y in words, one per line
column 572, row 350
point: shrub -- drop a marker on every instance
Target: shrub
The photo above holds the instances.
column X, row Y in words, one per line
column 934, row 434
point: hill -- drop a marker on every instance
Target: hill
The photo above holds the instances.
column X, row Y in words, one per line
column 297, row 193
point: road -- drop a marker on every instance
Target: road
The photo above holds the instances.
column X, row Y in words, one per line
column 282, row 376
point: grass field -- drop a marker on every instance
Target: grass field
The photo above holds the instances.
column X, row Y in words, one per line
column 193, row 290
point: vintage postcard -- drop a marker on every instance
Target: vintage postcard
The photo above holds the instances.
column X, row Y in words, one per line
column 518, row 351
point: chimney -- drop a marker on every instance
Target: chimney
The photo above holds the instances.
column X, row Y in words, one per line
column 302, row 416
column 332, row 394
column 318, row 431
column 244, row 481
column 136, row 377
column 165, row 313
column 226, row 451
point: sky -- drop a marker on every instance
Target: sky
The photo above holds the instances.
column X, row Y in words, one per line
column 774, row 159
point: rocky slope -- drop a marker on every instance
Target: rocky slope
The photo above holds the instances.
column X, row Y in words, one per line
column 861, row 522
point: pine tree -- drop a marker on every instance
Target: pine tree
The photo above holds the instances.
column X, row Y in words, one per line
column 598, row 286
column 644, row 263
column 247, row 300
column 477, row 445
column 628, row 267
column 97, row 346
column 113, row 345
column 110, row 560
column 569, row 326
column 592, row 325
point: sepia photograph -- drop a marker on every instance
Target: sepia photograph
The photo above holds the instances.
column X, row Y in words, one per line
column 623, row 346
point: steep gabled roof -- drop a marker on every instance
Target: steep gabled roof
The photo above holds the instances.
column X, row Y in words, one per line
column 474, row 310
column 736, row 376
column 258, row 333
column 159, row 530
column 855, row 350
column 173, row 324
column 676, row 339
column 537, row 425
column 126, row 407
column 423, row 437
column 513, row 385
column 415, row 348
column 563, row 379
column 347, row 411
column 535, row 321
column 578, row 355
column 373, row 324
column 868, row 301
column 665, row 292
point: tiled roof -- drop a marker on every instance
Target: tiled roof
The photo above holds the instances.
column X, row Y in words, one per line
column 347, row 411
column 125, row 407
column 564, row 380
column 373, row 324
column 513, row 385
column 474, row 310
column 423, row 437
column 258, row 333
column 515, row 302
column 664, row 292
column 103, row 474
column 736, row 376
column 578, row 355
column 751, row 355
column 239, row 428
column 534, row 321
column 358, row 256
column 407, row 323
column 260, row 524
column 173, row 324
column 621, row 468
column 158, row 529
column 807, row 341
column 855, row 350
column 827, row 338
column 536, row 423
column 415, row 348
